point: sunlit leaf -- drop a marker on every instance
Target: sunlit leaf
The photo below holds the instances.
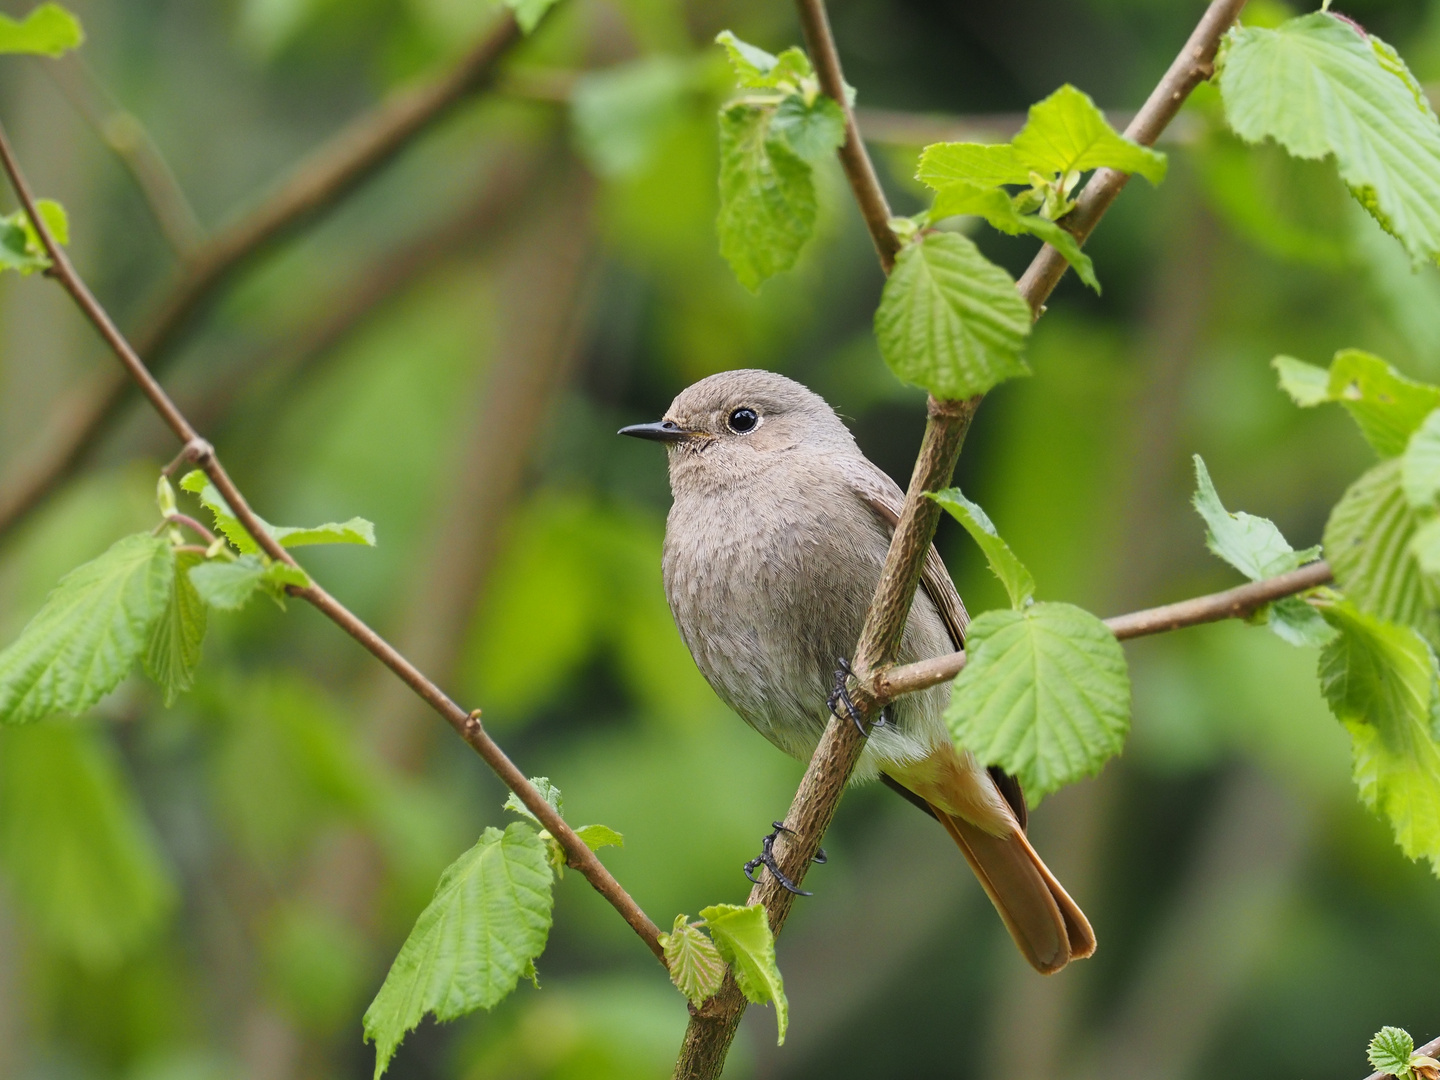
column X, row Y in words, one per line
column 228, row 584
column 1420, row 464
column 977, row 164
column 548, row 791
column 488, row 921
column 1387, row 406
column 1004, row 563
column 950, row 320
column 355, row 531
column 1306, row 384
column 1067, row 132
column 173, row 652
column 759, row 70
column 597, row 836
column 1044, row 694
column 90, row 632
column 1253, row 545
column 814, row 130
column 696, row 967
column 49, row 30
column 20, row 246
column 997, row 208
column 1390, row 1052
column 743, row 938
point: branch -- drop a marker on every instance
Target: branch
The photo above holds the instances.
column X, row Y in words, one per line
column 315, row 185
column 466, row 724
column 1237, row 603
column 713, row 1026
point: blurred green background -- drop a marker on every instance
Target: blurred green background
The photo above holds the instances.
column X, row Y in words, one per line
column 215, row 890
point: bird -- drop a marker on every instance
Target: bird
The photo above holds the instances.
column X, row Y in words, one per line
column 774, row 544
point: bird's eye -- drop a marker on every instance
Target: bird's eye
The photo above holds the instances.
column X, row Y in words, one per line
column 743, row 420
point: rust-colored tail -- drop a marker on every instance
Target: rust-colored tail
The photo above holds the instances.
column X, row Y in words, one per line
column 1047, row 925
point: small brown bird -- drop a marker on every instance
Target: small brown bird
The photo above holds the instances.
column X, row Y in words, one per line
column 773, row 548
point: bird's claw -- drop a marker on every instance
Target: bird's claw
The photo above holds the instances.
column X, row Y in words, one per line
column 840, row 695
column 766, row 858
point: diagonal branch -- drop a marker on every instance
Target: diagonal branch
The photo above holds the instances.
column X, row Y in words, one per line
column 318, row 183
column 197, row 450
column 1237, row 603
column 712, row 1028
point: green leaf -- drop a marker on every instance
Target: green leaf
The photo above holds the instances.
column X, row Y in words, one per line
column 814, row 130
column 49, row 30
column 20, row 246
column 1067, row 133
column 1387, row 406
column 548, row 791
column 488, row 921
column 80, row 859
column 742, row 937
column 173, row 653
column 1004, row 563
column 767, row 196
column 1369, row 539
column 997, row 208
column 623, row 114
column 978, row 164
column 92, row 629
column 1044, row 694
column 1380, row 679
column 1321, row 89
column 528, row 13
column 355, row 531
column 597, row 836
column 1390, row 1052
column 696, row 967
column 757, row 69
column 1295, row 621
column 1306, row 384
column 950, row 320
column 1420, row 464
column 228, row 584
column 1253, row 545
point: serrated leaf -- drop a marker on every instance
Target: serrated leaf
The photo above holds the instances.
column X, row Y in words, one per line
column 355, row 531
column 489, row 919
column 1307, row 384
column 767, row 196
column 597, row 836
column 979, row 164
column 80, row 860
column 757, row 69
column 528, row 13
column 1004, row 563
column 743, row 938
column 228, row 584
column 548, row 791
column 173, row 652
column 1368, row 541
column 1295, row 621
column 1387, row 406
column 1390, row 1052
column 623, row 114
column 1067, row 132
column 1044, row 694
column 997, row 208
column 1420, row 464
column 1380, row 679
column 1320, row 89
column 695, row 965
column 950, row 320
column 814, row 130
column 90, row 632
column 1253, row 545
column 49, row 30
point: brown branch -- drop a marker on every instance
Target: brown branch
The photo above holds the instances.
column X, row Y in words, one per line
column 1237, row 603
column 713, row 1026
column 1430, row 1049
column 465, row 723
column 315, row 185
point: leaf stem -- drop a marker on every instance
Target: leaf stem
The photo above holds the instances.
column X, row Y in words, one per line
column 193, row 525
column 467, row 724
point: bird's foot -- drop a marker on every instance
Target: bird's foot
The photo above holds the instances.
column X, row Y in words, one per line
column 840, row 695
column 766, row 858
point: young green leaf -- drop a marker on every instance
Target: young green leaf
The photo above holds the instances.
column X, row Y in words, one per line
column 489, row 919
column 978, row 164
column 355, row 531
column 1004, row 563
column 767, row 196
column 1420, row 464
column 1067, row 133
column 1295, row 621
column 1390, row 1052
column 228, row 584
column 597, row 836
column 78, row 855
column 950, row 320
column 1369, row 543
column 695, row 965
column 997, row 208
column 173, row 652
column 528, row 13
column 1253, row 545
column 814, row 130
column 1306, row 384
column 1387, row 406
column 20, row 246
column 1045, row 695
column 757, row 69
column 623, row 114
column 1319, row 88
column 743, row 938
column 49, row 30
column 548, row 791
column 1380, row 679
column 90, row 632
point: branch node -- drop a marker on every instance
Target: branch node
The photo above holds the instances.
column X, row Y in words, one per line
column 195, row 452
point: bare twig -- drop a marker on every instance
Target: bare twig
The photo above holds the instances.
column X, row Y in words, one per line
column 712, row 1027
column 466, row 724
column 1237, row 603
column 315, row 185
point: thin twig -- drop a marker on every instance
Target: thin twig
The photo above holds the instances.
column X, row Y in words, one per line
column 1237, row 603
column 315, row 185
column 713, row 1026
column 465, row 723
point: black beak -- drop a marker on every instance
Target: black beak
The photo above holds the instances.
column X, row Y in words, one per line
column 666, row 431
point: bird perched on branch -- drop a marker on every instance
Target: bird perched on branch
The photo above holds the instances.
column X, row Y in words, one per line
column 773, row 549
